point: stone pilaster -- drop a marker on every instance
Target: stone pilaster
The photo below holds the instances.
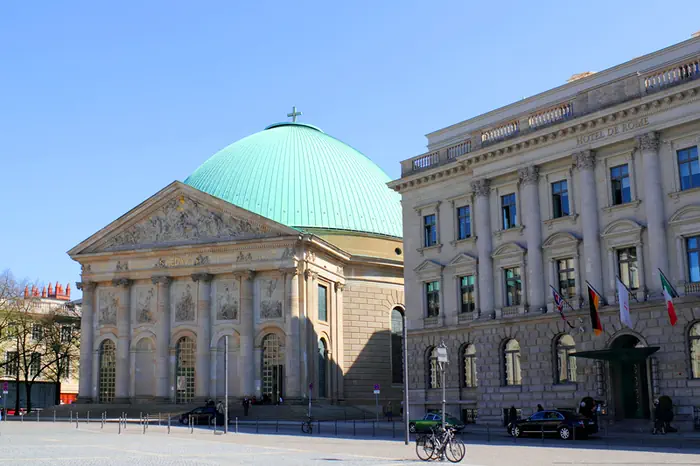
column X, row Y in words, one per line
column 202, row 372
column 529, row 179
column 339, row 361
column 292, row 385
column 482, row 221
column 648, row 145
column 163, row 374
column 247, row 288
column 585, row 164
column 123, row 370
column 87, row 341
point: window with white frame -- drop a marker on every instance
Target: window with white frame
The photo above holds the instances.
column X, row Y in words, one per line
column 464, row 224
column 429, row 230
column 628, row 268
column 469, row 359
column 37, row 332
column 513, row 286
column 35, row 364
column 11, row 363
column 511, row 354
column 694, row 346
column 692, row 244
column 466, row 288
column 509, row 212
column 566, row 362
column 567, row 277
column 66, row 333
column 560, row 199
column 688, row 168
column 620, row 186
column 432, row 298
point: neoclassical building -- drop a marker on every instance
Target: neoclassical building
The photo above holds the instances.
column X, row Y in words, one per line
column 593, row 180
column 287, row 241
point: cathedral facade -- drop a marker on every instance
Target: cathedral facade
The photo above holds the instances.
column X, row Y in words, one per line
column 270, row 249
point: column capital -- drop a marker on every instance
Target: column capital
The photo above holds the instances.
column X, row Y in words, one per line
column 648, row 142
column 161, row 279
column 584, row 159
column 308, row 274
column 481, row 187
column 289, row 271
column 245, row 274
column 339, row 286
column 203, row 277
column 125, row 282
column 86, row 286
column 529, row 175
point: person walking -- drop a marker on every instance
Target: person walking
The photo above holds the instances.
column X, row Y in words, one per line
column 540, row 408
column 388, row 412
column 246, row 406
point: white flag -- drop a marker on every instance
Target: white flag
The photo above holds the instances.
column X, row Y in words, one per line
column 623, row 298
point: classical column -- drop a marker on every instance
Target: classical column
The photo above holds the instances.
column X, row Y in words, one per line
column 481, row 189
column 202, row 374
column 648, row 145
column 585, row 164
column 163, row 337
column 292, row 383
column 529, row 178
column 87, row 341
column 123, row 371
column 247, row 279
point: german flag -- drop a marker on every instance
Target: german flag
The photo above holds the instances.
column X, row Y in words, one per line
column 594, row 304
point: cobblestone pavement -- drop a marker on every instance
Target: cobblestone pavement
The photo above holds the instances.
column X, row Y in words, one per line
column 63, row 444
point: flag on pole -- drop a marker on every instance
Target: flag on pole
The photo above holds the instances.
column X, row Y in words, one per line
column 623, row 297
column 669, row 294
column 559, row 302
column 594, row 304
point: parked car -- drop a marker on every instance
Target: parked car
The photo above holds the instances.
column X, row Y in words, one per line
column 565, row 424
column 432, row 420
column 204, row 415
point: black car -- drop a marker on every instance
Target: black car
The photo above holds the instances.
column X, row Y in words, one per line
column 565, row 424
column 204, row 415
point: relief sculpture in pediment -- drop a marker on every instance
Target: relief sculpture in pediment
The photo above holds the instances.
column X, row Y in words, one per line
column 227, row 302
column 184, row 308
column 183, row 219
column 109, row 303
column 271, row 306
column 144, row 309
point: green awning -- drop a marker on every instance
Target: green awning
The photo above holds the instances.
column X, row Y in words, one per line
column 619, row 354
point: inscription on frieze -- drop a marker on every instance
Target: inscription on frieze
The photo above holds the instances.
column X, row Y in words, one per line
column 612, row 131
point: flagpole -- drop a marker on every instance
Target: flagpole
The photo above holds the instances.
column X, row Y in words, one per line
column 669, row 282
column 565, row 302
column 634, row 295
column 595, row 291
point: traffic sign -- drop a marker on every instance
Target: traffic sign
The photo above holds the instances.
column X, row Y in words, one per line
column 4, row 386
column 376, row 389
column 311, row 386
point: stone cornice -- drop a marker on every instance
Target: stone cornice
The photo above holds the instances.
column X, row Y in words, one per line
column 633, row 109
column 289, row 271
column 339, row 286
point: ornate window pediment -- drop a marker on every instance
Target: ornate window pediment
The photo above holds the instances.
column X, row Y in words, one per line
column 510, row 250
column 622, row 232
column 561, row 244
column 462, row 264
column 685, row 215
column 429, row 269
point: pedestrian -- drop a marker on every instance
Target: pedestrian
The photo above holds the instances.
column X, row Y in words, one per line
column 281, row 400
column 246, row 406
column 512, row 414
column 539, row 408
column 388, row 412
column 659, row 425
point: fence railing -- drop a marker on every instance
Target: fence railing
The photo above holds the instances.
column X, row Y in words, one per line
column 459, row 149
column 691, row 287
column 499, row 133
column 671, row 76
column 426, row 161
column 551, row 115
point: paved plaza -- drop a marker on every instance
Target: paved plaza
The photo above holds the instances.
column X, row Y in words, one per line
column 60, row 443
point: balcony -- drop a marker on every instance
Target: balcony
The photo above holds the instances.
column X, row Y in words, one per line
column 425, row 161
column 691, row 288
column 551, row 116
column 459, row 149
column 499, row 133
column 677, row 74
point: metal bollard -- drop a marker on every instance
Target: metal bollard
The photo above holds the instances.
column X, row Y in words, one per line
column 257, row 425
column 158, row 419
column 373, row 422
column 54, row 415
column 37, row 416
column 353, row 428
column 191, row 425
column 277, row 426
column 88, row 417
column 214, row 424
column 236, row 424
column 71, row 417
column 393, row 429
column 336, row 427
column 319, row 427
column 76, row 420
column 120, row 425
column 168, row 422
column 148, row 420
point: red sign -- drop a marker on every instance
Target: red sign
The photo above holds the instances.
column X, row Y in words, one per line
column 376, row 386
column 4, row 386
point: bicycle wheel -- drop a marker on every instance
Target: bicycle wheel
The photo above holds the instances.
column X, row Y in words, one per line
column 424, row 448
column 306, row 427
column 455, row 450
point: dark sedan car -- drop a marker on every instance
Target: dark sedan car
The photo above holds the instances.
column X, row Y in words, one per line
column 565, row 424
column 203, row 415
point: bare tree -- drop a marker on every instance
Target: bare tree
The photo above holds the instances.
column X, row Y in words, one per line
column 62, row 345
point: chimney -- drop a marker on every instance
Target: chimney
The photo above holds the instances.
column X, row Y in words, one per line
column 35, row 291
column 68, row 291
column 43, row 292
column 50, row 293
column 578, row 76
column 26, row 291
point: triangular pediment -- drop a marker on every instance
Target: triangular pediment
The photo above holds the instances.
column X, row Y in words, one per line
column 180, row 215
column 428, row 266
column 462, row 259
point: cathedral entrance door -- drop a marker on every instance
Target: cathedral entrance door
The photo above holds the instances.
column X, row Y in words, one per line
column 630, row 382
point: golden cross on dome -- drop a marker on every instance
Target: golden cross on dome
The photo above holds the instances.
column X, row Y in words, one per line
column 294, row 114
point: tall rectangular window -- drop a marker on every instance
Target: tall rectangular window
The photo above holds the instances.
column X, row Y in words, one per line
column 689, row 168
column 510, row 217
column 35, row 364
column 37, row 332
column 513, row 286
column 560, row 199
column 432, row 298
column 11, row 363
column 464, row 222
column 620, row 184
column 567, row 277
column 628, row 269
column 692, row 246
column 65, row 369
column 429, row 230
column 466, row 286
column 66, row 333
column 322, row 303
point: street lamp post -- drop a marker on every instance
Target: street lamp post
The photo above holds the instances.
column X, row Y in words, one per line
column 405, row 380
column 442, row 360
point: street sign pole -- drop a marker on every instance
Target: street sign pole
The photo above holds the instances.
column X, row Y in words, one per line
column 376, row 399
column 5, row 391
column 226, row 385
column 311, row 388
column 442, row 360
column 405, row 381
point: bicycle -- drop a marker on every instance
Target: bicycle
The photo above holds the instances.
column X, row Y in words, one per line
column 444, row 444
column 307, row 426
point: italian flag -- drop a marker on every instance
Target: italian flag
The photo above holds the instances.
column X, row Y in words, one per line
column 669, row 294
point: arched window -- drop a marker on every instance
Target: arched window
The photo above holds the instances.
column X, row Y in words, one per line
column 433, row 374
column 396, row 346
column 566, row 363
column 511, row 352
column 108, row 368
column 186, row 351
column 272, row 366
column 322, row 364
column 469, row 360
column 694, row 342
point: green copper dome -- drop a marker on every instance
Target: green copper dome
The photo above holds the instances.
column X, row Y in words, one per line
column 297, row 175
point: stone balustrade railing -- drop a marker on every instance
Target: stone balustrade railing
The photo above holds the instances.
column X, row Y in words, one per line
column 459, row 149
column 421, row 162
column 691, row 288
column 673, row 75
column 499, row 133
column 551, row 115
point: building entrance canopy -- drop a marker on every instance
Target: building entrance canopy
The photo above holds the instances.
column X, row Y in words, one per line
column 619, row 354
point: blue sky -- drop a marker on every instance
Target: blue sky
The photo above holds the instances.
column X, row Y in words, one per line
column 104, row 103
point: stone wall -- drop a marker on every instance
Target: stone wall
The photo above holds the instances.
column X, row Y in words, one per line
column 367, row 349
column 537, row 335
